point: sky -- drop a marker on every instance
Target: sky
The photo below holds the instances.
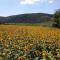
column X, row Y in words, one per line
column 14, row 7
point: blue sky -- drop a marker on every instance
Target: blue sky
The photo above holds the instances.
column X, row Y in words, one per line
column 13, row 7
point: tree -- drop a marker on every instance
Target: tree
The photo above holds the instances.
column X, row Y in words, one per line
column 57, row 18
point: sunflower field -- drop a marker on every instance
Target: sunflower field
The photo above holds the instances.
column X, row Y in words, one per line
column 29, row 43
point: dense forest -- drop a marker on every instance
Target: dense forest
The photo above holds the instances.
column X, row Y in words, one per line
column 27, row 18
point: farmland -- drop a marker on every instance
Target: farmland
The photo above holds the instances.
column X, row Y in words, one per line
column 29, row 43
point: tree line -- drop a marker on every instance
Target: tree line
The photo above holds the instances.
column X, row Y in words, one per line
column 57, row 19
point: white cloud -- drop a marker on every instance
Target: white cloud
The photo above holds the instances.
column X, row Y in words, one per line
column 35, row 1
column 29, row 1
column 51, row 1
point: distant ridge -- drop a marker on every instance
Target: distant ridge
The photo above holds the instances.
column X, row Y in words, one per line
column 27, row 18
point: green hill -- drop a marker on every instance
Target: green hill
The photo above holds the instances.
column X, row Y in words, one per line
column 27, row 18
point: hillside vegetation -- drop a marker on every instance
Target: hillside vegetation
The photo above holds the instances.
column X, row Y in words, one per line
column 27, row 18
